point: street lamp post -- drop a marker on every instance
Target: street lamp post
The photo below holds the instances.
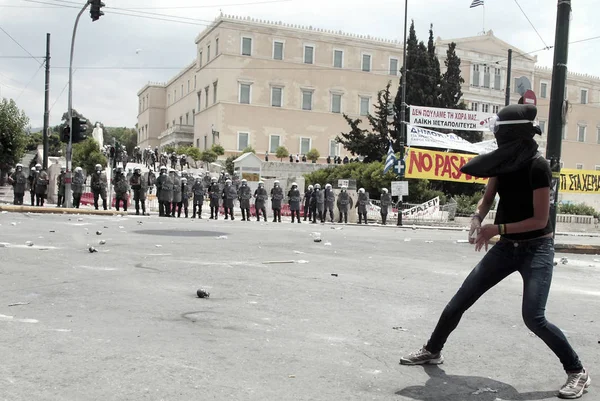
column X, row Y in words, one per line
column 68, row 195
column 402, row 130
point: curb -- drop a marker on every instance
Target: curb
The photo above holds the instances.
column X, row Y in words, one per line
column 568, row 248
column 56, row 210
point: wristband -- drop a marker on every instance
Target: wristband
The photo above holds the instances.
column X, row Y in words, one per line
column 501, row 229
column 478, row 217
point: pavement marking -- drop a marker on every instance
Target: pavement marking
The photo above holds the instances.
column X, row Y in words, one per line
column 6, row 318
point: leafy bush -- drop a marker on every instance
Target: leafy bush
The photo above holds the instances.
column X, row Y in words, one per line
column 218, row 149
column 281, row 152
column 229, row 166
column 248, row 149
column 313, row 155
column 467, row 204
column 580, row 209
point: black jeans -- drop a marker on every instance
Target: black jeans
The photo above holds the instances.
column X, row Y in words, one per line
column 534, row 260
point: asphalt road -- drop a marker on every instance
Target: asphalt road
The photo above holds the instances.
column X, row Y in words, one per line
column 124, row 323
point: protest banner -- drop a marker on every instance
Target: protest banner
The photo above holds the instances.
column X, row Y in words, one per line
column 460, row 120
column 426, row 209
column 443, row 166
column 579, row 181
column 426, row 138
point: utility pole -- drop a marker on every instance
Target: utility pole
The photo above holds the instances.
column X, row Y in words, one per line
column 402, row 131
column 508, row 78
column 46, row 104
column 558, row 104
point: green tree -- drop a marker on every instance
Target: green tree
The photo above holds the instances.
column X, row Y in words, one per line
column 313, row 155
column 373, row 145
column 127, row 137
column 435, row 76
column 12, row 135
column 218, row 149
column 248, row 149
column 169, row 149
column 87, row 154
column 55, row 146
column 195, row 154
column 229, row 165
column 209, row 156
column 281, row 152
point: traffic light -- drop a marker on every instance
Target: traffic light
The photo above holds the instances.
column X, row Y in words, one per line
column 95, row 11
column 79, row 129
column 65, row 134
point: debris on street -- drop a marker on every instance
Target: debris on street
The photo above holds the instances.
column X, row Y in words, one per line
column 19, row 303
column 102, row 242
column 29, row 243
column 222, row 237
column 202, row 293
column 334, row 274
column 484, row 390
column 98, row 232
column 399, row 328
column 91, row 249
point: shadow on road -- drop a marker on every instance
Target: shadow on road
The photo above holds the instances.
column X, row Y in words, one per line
column 440, row 387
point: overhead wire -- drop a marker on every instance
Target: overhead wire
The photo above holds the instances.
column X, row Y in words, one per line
column 20, row 45
column 29, row 83
column 531, row 23
column 191, row 7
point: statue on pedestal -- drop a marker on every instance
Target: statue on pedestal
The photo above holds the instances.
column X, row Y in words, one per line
column 98, row 135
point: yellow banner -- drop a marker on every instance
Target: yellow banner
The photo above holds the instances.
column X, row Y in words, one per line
column 579, row 181
column 442, row 166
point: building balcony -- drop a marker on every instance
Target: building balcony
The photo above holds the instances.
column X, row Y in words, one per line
column 177, row 135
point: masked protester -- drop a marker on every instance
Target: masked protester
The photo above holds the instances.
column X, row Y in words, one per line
column 343, row 203
column 77, row 186
column 276, row 199
column 32, row 179
column 261, row 199
column 198, row 191
column 386, row 201
column 306, row 201
column 361, row 205
column 229, row 197
column 329, row 202
column 121, row 189
column 41, row 187
column 522, row 178
column 60, row 184
column 18, row 180
column 245, row 194
column 99, row 184
column 294, row 201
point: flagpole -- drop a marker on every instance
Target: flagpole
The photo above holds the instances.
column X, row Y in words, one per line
column 484, row 18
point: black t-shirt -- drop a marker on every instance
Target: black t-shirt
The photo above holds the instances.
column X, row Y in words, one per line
column 516, row 196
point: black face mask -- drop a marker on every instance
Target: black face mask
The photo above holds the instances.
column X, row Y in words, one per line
column 516, row 146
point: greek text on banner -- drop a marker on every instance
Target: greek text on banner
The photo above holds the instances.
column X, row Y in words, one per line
column 442, row 166
column 461, row 120
column 579, row 181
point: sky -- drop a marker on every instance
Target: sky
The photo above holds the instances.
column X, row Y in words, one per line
column 118, row 54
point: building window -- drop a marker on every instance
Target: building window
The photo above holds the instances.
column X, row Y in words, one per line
column 584, row 96
column 334, row 148
column 187, row 118
column 366, row 63
column 338, row 58
column 200, row 58
column 598, row 135
column 174, row 95
column 242, row 140
column 168, row 99
column 199, row 105
column 543, row 90
column 309, row 54
column 597, row 168
column 193, row 117
column 336, row 103
column 305, row 145
column 180, row 120
column 364, row 106
column 277, row 50
column 394, row 66
column 276, row 97
column 216, row 47
column 207, row 54
column 167, row 125
column 495, row 109
column 485, row 108
column 579, row 166
column 486, row 77
column 195, row 81
column 475, row 81
column 245, row 93
column 307, row 98
column 206, row 95
column 215, row 84
column 497, row 78
column 274, row 141
column 581, row 133
column 474, row 106
column 543, row 126
column 246, row 46
column 182, row 90
column 189, row 86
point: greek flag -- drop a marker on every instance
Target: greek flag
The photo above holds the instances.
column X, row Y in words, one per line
column 476, row 3
column 390, row 160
